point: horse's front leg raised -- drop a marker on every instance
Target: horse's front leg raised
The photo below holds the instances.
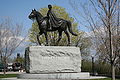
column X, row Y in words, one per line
column 46, row 36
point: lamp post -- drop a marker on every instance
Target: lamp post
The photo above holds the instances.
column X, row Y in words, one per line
column 92, row 65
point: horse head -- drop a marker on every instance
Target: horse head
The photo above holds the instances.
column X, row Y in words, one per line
column 34, row 14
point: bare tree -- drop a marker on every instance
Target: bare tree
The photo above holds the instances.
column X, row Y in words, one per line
column 9, row 39
column 103, row 21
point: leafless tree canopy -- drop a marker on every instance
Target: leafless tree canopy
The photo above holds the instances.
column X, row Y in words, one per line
column 102, row 17
column 9, row 38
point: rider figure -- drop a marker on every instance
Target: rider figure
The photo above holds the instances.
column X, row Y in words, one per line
column 52, row 19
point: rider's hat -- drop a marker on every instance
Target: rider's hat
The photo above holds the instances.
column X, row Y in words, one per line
column 49, row 6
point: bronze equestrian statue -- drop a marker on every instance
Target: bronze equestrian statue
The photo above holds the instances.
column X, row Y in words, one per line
column 51, row 23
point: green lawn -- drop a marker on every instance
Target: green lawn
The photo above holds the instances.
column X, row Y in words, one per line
column 8, row 75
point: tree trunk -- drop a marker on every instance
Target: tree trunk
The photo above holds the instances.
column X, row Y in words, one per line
column 4, row 71
column 109, row 20
column 113, row 71
column 111, row 55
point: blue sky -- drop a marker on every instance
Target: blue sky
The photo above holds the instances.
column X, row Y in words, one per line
column 18, row 10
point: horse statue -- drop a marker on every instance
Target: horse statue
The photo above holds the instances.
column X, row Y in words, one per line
column 43, row 27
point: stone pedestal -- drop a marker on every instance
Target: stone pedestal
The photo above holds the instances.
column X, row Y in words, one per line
column 53, row 62
column 52, row 59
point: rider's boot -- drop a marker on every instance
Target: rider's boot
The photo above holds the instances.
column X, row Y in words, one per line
column 49, row 27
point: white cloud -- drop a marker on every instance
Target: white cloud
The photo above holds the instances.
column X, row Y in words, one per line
column 97, row 32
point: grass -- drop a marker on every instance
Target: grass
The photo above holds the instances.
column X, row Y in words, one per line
column 8, row 75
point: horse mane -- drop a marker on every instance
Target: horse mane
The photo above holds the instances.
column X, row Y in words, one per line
column 39, row 14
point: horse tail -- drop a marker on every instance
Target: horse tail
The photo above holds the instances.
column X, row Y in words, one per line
column 70, row 28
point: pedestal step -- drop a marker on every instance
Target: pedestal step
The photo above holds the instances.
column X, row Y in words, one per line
column 81, row 75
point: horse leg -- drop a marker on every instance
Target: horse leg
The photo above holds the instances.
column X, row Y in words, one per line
column 60, row 37
column 38, row 39
column 40, row 33
column 67, row 34
column 46, row 37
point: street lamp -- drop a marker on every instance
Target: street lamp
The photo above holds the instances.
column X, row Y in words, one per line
column 92, row 65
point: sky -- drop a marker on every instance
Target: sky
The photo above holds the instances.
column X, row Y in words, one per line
column 18, row 10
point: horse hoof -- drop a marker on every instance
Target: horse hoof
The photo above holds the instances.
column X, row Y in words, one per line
column 68, row 44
